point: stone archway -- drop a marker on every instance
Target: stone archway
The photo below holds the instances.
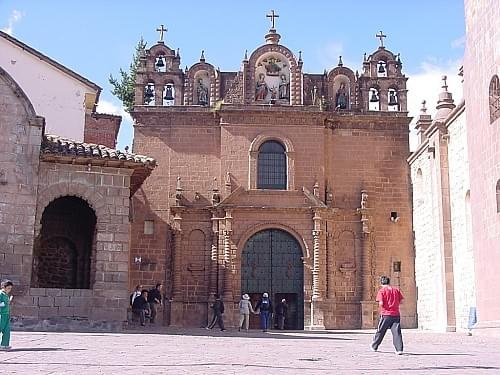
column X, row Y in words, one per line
column 64, row 250
column 271, row 262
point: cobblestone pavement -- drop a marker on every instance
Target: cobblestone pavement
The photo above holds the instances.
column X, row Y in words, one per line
column 215, row 352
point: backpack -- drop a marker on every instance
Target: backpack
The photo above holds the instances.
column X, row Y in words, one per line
column 264, row 305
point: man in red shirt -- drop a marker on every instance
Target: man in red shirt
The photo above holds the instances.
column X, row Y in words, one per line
column 389, row 299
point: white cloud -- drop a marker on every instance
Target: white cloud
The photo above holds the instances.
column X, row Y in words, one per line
column 459, row 42
column 14, row 18
column 110, row 108
column 425, row 84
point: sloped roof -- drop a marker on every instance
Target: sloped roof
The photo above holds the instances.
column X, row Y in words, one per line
column 62, row 150
column 50, row 61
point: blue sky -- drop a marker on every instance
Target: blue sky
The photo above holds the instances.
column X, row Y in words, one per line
column 96, row 38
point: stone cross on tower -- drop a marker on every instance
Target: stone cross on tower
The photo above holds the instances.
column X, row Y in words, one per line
column 272, row 16
column 161, row 30
column 381, row 36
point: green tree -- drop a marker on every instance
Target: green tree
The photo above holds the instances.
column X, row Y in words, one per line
column 124, row 87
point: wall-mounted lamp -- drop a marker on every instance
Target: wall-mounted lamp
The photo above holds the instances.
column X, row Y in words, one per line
column 394, row 217
column 138, row 260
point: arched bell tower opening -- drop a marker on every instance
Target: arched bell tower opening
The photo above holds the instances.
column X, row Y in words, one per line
column 63, row 251
column 272, row 262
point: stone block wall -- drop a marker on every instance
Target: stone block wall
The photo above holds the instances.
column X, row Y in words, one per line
column 481, row 62
column 106, row 190
column 366, row 153
column 461, row 221
column 20, row 142
column 431, row 307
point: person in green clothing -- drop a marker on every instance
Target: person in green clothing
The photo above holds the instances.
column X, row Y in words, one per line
column 5, row 301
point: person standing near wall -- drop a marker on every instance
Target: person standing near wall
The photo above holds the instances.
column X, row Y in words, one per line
column 218, row 308
column 5, row 301
column 265, row 309
column 389, row 299
column 155, row 300
column 246, row 308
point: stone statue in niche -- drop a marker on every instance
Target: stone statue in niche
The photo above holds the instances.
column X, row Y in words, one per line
column 364, row 199
column 341, row 98
column 272, row 66
column 202, row 93
column 261, row 89
column 284, row 87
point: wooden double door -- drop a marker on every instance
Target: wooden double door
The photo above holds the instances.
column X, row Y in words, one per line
column 272, row 263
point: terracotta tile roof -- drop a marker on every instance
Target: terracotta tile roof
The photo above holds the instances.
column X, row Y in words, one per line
column 59, row 146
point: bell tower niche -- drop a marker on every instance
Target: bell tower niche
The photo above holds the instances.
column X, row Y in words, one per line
column 272, row 74
column 382, row 85
column 159, row 80
column 202, row 84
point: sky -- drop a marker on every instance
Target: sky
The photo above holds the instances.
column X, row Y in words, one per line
column 97, row 37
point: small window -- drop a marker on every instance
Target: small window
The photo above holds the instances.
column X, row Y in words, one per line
column 271, row 166
column 149, row 227
column 494, row 98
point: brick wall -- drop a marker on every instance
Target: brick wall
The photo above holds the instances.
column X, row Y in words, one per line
column 101, row 129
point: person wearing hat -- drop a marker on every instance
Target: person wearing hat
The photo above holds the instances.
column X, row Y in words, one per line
column 266, row 309
column 245, row 309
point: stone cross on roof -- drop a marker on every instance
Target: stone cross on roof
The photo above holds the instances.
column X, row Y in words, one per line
column 381, row 36
column 272, row 16
column 161, row 30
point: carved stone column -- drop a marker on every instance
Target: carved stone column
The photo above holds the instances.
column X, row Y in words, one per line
column 214, row 256
column 228, row 290
column 316, row 309
column 330, row 259
column 368, row 304
column 177, row 263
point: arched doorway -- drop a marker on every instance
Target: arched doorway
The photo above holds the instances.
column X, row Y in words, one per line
column 272, row 262
column 63, row 251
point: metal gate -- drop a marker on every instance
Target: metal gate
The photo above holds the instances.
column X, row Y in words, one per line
column 272, row 262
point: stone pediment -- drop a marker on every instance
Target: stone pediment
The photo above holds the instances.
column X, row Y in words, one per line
column 274, row 199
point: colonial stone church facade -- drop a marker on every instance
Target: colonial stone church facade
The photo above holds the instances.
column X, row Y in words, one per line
column 271, row 179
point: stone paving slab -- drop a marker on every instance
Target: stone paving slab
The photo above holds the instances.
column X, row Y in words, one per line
column 214, row 352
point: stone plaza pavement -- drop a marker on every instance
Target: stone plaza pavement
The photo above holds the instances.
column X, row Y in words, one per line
column 214, row 352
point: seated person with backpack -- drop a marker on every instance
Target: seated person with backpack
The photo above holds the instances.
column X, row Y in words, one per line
column 141, row 307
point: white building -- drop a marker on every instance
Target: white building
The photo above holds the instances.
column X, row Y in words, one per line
column 60, row 95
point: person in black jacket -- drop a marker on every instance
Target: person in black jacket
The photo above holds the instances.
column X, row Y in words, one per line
column 154, row 299
column 265, row 308
column 218, row 308
column 281, row 310
column 141, row 307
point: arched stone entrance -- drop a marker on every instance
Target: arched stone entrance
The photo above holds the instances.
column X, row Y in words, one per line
column 272, row 262
column 63, row 251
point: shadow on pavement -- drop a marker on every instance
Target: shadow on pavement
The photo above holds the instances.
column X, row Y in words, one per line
column 254, row 334
column 42, row 350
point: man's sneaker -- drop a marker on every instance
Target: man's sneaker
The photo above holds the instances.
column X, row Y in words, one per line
column 5, row 348
column 399, row 352
column 372, row 348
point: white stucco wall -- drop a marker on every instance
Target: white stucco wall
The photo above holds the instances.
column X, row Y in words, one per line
column 55, row 95
column 463, row 259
